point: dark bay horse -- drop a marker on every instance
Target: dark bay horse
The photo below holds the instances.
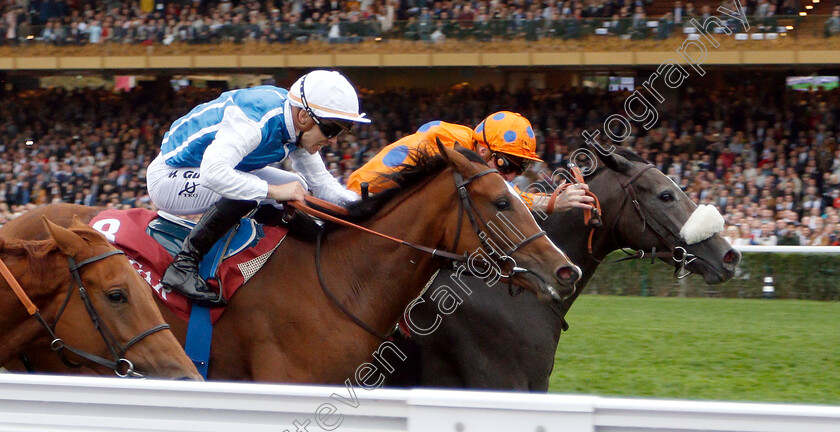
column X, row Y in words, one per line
column 130, row 338
column 495, row 342
column 280, row 326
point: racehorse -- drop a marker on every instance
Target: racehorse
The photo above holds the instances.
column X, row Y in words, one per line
column 113, row 314
column 495, row 343
column 279, row 326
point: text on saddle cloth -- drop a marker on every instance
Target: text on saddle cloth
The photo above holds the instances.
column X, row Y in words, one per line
column 129, row 230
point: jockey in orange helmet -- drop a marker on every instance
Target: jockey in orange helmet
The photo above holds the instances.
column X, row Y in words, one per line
column 505, row 140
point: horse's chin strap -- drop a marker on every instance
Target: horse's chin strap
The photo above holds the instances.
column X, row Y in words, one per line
column 120, row 365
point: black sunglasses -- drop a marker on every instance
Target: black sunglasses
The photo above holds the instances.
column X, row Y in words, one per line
column 330, row 128
column 507, row 164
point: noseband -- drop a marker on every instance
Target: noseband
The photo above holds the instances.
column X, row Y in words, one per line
column 120, row 365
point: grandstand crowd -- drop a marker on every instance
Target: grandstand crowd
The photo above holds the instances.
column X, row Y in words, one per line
column 769, row 162
column 79, row 22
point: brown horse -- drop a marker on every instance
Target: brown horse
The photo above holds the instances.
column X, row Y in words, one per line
column 112, row 317
column 280, row 326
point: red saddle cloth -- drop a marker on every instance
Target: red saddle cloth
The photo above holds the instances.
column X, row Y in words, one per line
column 126, row 229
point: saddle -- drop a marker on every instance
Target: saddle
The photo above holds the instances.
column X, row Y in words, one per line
column 170, row 231
column 150, row 240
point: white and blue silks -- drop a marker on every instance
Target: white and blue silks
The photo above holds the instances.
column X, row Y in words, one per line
column 232, row 140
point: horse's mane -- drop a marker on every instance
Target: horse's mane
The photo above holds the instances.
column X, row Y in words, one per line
column 624, row 152
column 407, row 177
column 37, row 249
column 630, row 155
column 33, row 250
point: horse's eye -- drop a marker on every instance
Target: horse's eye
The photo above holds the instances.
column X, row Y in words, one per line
column 502, row 204
column 666, row 196
column 117, row 296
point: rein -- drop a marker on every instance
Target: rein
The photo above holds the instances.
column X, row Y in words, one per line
column 120, row 365
column 328, row 217
column 466, row 205
column 591, row 217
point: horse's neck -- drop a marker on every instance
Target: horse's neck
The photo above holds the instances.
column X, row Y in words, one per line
column 576, row 242
column 380, row 290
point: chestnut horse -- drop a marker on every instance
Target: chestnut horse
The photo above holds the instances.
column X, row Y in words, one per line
column 281, row 326
column 111, row 326
column 494, row 342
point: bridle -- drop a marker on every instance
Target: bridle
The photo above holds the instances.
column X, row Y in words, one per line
column 500, row 258
column 492, row 250
column 677, row 253
column 120, row 365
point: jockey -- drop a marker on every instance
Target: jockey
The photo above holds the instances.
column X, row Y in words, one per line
column 505, row 140
column 215, row 160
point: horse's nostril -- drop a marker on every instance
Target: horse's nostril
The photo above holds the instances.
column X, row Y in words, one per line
column 566, row 273
column 730, row 257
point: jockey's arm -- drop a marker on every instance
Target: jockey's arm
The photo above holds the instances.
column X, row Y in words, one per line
column 237, row 137
column 322, row 184
column 573, row 197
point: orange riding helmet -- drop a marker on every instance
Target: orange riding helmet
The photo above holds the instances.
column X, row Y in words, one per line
column 508, row 132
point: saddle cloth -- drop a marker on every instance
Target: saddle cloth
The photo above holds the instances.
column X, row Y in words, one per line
column 137, row 231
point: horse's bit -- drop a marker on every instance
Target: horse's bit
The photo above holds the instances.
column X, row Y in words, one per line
column 120, row 365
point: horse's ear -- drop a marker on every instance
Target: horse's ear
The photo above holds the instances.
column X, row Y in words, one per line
column 441, row 149
column 67, row 241
column 77, row 222
column 616, row 162
column 456, row 160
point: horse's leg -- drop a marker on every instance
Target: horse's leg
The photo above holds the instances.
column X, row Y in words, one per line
column 245, row 343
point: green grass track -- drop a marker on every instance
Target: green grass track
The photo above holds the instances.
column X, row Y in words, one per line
column 702, row 349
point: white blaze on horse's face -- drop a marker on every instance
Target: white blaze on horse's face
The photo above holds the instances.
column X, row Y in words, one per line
column 703, row 224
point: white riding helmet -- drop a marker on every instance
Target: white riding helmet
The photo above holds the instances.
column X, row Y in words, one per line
column 327, row 94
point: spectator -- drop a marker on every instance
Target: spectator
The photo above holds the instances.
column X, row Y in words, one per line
column 678, row 13
column 832, row 25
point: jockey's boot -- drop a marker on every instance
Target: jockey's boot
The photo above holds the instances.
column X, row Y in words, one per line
column 182, row 275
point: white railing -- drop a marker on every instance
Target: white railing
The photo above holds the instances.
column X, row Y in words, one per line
column 789, row 249
column 32, row 402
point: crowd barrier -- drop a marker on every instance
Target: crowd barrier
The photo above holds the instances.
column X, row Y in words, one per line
column 39, row 402
column 795, row 272
column 424, row 28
